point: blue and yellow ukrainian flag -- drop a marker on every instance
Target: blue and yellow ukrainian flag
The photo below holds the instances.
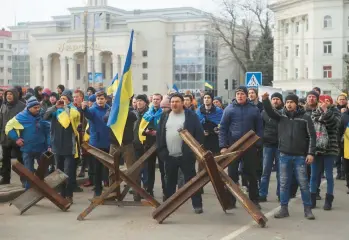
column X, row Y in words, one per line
column 346, row 143
column 119, row 111
column 149, row 116
column 114, row 85
column 208, row 85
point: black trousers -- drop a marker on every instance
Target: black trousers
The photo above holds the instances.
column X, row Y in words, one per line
column 6, row 160
column 172, row 164
column 251, row 162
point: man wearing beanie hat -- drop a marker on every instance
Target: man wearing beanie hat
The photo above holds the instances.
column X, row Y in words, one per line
column 327, row 119
column 270, row 148
column 45, row 104
column 239, row 118
column 65, row 119
column 297, row 144
column 30, row 133
column 210, row 117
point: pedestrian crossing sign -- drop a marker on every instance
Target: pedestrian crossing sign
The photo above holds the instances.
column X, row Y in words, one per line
column 253, row 79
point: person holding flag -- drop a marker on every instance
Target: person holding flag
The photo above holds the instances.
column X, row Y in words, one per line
column 65, row 119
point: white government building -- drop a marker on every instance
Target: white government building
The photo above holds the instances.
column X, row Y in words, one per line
column 311, row 42
column 5, row 57
column 170, row 46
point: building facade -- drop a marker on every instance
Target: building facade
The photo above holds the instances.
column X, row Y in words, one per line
column 311, row 45
column 5, row 57
column 171, row 46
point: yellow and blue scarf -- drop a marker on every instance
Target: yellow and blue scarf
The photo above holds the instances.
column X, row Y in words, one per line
column 346, row 142
column 150, row 115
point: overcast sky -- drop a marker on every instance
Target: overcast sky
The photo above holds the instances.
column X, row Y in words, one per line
column 41, row 10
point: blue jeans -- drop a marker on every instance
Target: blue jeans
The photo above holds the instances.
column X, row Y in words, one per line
column 269, row 154
column 328, row 161
column 28, row 159
column 66, row 163
column 286, row 166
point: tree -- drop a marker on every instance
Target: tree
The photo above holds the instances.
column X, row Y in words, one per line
column 239, row 26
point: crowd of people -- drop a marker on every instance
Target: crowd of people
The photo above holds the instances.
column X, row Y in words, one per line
column 301, row 139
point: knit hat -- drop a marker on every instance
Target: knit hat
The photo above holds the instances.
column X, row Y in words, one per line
column 46, row 92
column 277, row 95
column 92, row 89
column 209, row 94
column 165, row 103
column 317, row 89
column 218, row 99
column 68, row 94
column 32, row 101
column 324, row 97
column 143, row 97
column 313, row 93
column 92, row 98
column 242, row 89
column 292, row 97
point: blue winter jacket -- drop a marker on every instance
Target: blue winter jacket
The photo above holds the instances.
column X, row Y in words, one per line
column 99, row 131
column 237, row 120
column 35, row 132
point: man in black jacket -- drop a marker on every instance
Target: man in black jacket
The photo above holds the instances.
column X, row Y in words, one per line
column 10, row 108
column 297, row 144
column 270, row 148
column 126, row 150
column 171, row 148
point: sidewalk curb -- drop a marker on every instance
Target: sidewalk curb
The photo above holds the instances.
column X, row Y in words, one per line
column 9, row 192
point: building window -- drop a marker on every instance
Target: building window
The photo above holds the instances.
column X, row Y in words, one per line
column 104, row 70
column 145, row 88
column 107, row 21
column 306, row 24
column 1, row 45
column 1, row 57
column 306, row 73
column 327, row 92
column 286, row 52
column 145, row 65
column 9, row 70
column 327, row 21
column 78, row 71
column 327, row 71
column 145, row 53
column 1, row 69
column 287, row 25
column 328, row 47
column 1, row 82
column 297, row 50
column 296, row 73
column 306, row 49
column 347, row 47
column 111, row 71
column 286, row 74
column 297, row 27
column 77, row 21
column 9, row 46
column 145, row 76
column 9, row 58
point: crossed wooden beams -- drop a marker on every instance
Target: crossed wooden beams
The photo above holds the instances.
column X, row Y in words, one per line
column 40, row 187
column 214, row 173
column 119, row 176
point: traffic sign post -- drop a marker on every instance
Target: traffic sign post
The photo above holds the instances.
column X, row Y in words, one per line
column 253, row 79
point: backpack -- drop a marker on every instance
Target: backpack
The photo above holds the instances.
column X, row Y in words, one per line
column 322, row 139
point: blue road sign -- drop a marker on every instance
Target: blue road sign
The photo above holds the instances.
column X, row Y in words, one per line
column 253, row 79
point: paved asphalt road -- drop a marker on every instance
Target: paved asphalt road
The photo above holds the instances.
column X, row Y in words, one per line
column 45, row 221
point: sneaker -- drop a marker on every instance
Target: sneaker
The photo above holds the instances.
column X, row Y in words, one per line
column 198, row 210
column 257, row 204
column 308, row 213
column 88, row 183
column 318, row 197
column 262, row 199
column 4, row 181
column 282, row 213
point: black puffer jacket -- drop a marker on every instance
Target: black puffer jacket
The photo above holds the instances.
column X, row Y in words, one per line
column 296, row 130
column 7, row 112
column 331, row 119
column 270, row 135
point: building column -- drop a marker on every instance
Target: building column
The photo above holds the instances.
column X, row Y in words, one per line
column 38, row 74
column 116, row 63
column 301, row 48
column 292, row 53
column 63, row 62
column 72, row 73
column 47, row 62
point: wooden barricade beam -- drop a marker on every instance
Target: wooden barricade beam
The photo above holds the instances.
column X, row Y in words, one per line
column 120, row 176
column 41, row 186
column 202, row 178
